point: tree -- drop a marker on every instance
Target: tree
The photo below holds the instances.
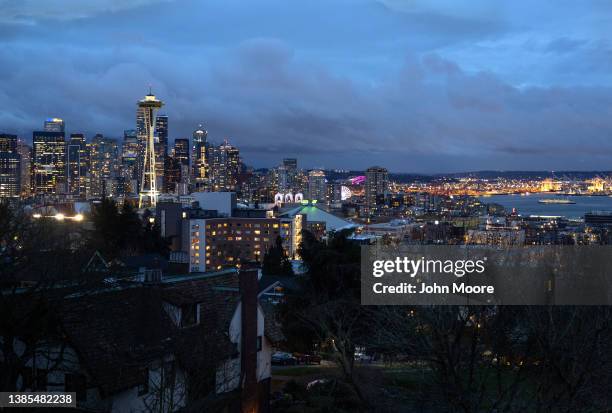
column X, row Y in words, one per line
column 328, row 306
column 276, row 261
column 117, row 233
column 39, row 263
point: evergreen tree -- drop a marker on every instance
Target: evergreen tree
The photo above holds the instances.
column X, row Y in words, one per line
column 276, row 261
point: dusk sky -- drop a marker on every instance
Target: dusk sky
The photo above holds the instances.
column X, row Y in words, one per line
column 420, row 86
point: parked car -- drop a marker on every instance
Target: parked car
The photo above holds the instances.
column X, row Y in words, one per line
column 283, row 359
column 307, row 358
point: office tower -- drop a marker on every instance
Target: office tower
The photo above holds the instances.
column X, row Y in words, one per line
column 377, row 181
column 181, row 151
column 173, row 174
column 76, row 165
column 25, row 151
column 104, row 158
column 283, row 181
column 54, row 125
column 317, row 186
column 199, row 157
column 161, row 147
column 290, row 164
column 129, row 160
column 181, row 154
column 10, row 167
column 48, row 162
column 224, row 167
column 145, row 128
column 8, row 143
column 287, row 174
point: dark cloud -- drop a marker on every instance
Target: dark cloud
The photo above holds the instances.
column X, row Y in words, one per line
column 279, row 81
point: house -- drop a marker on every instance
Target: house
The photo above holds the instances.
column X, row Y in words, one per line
column 191, row 343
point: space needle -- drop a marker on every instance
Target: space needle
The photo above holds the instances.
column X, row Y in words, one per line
column 147, row 109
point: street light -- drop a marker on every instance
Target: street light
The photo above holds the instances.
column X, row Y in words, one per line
column 59, row 217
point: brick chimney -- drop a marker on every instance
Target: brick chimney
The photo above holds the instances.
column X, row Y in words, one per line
column 248, row 353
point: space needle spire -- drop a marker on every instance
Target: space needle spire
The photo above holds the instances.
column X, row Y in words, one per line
column 147, row 109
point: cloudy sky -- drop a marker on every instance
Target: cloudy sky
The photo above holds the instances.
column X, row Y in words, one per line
column 414, row 85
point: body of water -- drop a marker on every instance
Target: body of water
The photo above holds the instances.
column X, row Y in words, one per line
column 528, row 204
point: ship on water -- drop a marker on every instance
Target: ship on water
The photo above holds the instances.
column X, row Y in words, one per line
column 563, row 201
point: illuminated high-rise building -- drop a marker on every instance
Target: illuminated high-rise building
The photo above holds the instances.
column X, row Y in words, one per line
column 104, row 161
column 161, row 147
column 224, row 167
column 181, row 151
column 317, row 186
column 8, row 143
column 54, row 125
column 287, row 173
column 172, row 175
column 48, row 162
column 376, row 185
column 25, row 152
column 76, row 165
column 290, row 164
column 10, row 167
column 181, row 154
column 199, row 157
column 129, row 160
column 145, row 121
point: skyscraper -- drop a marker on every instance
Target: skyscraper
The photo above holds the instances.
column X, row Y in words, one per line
column 8, row 143
column 76, row 165
column 224, row 167
column 161, row 147
column 287, row 174
column 25, row 151
column 199, row 157
column 317, row 186
column 10, row 167
column 49, row 162
column 377, row 181
column 129, row 160
column 181, row 154
column 145, row 127
column 181, row 151
column 290, row 164
column 172, row 175
column 104, row 159
column 54, row 125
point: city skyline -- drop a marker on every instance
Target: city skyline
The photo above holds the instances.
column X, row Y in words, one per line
column 423, row 87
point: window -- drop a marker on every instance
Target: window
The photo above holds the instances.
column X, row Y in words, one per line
column 143, row 387
column 76, row 383
column 258, row 344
